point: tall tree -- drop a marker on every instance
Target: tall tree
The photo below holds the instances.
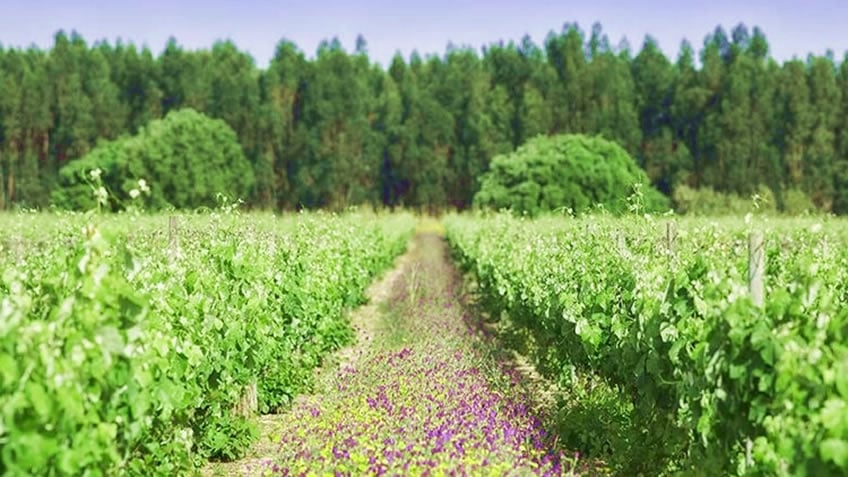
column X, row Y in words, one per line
column 821, row 151
column 565, row 53
column 284, row 137
column 510, row 70
column 336, row 105
column 185, row 82
column 389, row 123
column 475, row 135
column 796, row 118
column 840, row 167
column 136, row 77
column 108, row 112
column 234, row 92
column 687, row 112
column 74, row 124
column 609, row 94
column 654, row 82
column 709, row 163
column 10, row 127
column 35, row 182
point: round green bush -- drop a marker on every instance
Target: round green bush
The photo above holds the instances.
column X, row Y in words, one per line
column 567, row 171
column 185, row 160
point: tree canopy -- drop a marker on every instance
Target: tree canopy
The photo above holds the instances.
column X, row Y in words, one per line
column 572, row 171
column 335, row 129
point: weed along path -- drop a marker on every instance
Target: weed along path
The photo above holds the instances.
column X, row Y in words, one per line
column 420, row 393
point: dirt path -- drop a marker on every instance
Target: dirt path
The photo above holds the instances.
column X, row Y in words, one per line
column 422, row 391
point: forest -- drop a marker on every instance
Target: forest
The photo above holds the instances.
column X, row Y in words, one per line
column 336, row 128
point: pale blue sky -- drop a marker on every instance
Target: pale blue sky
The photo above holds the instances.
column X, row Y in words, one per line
column 793, row 28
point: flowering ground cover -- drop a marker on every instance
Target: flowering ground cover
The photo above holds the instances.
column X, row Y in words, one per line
column 425, row 396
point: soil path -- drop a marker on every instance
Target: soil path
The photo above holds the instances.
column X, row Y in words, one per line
column 423, row 391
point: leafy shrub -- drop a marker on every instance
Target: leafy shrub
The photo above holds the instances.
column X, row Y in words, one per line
column 186, row 158
column 707, row 201
column 796, row 202
column 566, row 171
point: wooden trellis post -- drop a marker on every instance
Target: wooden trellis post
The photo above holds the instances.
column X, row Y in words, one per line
column 756, row 267
column 669, row 237
column 173, row 235
column 248, row 405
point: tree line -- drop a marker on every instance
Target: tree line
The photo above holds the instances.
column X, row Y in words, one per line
column 338, row 129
